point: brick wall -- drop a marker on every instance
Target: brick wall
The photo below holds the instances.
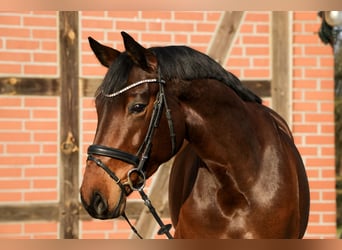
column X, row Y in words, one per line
column 152, row 28
column 250, row 55
column 313, row 119
column 28, row 160
column 29, row 43
column 29, row 125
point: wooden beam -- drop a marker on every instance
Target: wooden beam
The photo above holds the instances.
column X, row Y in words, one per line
column 69, row 124
column 29, row 86
column 29, row 212
column 89, row 86
column 281, row 64
column 51, row 87
column 259, row 87
column 50, row 212
column 225, row 35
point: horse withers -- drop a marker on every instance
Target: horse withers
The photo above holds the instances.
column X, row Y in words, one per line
column 237, row 172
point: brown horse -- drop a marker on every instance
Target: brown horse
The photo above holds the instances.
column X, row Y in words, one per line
column 237, row 172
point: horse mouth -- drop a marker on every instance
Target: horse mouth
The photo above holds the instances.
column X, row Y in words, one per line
column 99, row 209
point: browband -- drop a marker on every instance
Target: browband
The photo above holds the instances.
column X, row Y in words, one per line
column 133, row 85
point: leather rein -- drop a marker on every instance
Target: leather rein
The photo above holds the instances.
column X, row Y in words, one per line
column 144, row 151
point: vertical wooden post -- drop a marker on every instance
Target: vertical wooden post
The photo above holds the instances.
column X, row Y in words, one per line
column 281, row 63
column 69, row 124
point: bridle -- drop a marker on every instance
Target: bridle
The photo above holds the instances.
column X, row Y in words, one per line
column 138, row 172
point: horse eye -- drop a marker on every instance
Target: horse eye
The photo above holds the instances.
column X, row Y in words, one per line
column 137, row 108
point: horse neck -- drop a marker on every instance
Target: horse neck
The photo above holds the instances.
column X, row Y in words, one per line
column 218, row 124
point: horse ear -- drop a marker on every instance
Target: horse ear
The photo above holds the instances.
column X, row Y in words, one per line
column 104, row 54
column 140, row 55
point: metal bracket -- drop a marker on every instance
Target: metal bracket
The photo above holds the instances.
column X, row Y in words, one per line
column 69, row 146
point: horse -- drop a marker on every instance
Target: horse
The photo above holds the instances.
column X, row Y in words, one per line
column 236, row 173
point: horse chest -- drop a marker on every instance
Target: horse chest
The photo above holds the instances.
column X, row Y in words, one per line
column 211, row 206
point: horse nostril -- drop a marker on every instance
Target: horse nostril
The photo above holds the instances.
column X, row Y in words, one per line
column 99, row 204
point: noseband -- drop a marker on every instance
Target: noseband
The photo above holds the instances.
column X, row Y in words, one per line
column 144, row 151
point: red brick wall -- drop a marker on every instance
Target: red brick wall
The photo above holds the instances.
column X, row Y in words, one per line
column 29, row 43
column 28, row 159
column 29, row 125
column 250, row 55
column 28, row 135
column 313, row 119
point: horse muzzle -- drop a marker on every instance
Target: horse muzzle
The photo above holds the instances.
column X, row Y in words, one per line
column 99, row 207
column 102, row 198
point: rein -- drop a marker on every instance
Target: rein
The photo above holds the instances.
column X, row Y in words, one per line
column 144, row 150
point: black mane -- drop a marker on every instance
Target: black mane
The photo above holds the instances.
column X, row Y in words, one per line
column 177, row 62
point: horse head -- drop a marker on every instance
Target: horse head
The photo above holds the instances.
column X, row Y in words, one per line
column 136, row 131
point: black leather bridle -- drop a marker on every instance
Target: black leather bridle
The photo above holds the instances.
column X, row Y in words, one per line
column 136, row 176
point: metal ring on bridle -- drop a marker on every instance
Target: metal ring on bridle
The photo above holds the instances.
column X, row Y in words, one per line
column 137, row 183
